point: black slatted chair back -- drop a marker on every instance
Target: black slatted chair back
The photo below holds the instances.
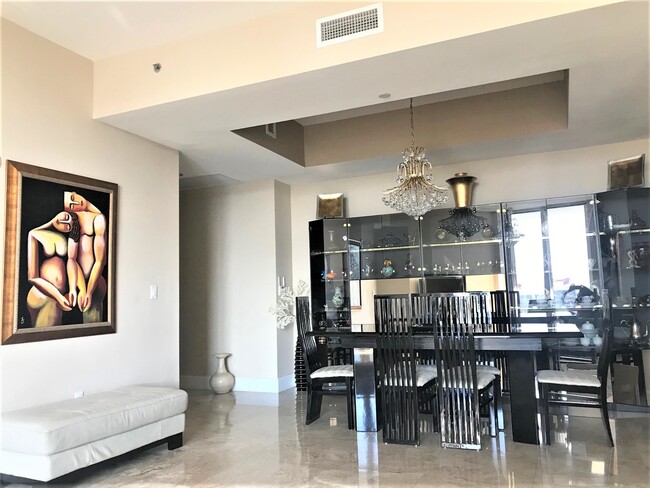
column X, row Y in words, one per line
column 605, row 357
column 423, row 314
column 309, row 350
column 505, row 309
column 505, row 312
column 480, row 311
column 396, row 358
column 460, row 422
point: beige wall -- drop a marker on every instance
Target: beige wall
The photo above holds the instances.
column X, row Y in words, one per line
column 283, row 257
column 234, row 57
column 47, row 95
column 230, row 263
column 497, row 116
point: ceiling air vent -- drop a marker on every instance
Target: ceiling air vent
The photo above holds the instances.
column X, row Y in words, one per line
column 350, row 25
column 271, row 131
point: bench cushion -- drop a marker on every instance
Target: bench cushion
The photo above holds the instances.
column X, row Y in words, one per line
column 56, row 427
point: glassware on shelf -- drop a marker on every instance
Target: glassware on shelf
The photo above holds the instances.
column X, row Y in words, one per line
column 636, row 222
column 331, row 238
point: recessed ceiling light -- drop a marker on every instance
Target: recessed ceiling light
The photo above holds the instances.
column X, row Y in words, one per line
column 384, row 95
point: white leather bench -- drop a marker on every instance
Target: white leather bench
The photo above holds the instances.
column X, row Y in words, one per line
column 47, row 441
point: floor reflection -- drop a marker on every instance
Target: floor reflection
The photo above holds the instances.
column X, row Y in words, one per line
column 368, row 458
column 244, row 441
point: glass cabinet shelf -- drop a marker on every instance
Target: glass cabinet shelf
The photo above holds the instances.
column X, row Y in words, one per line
column 463, row 243
column 391, row 248
column 633, row 231
column 328, row 253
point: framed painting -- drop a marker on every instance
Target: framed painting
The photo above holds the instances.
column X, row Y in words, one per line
column 59, row 268
column 625, row 173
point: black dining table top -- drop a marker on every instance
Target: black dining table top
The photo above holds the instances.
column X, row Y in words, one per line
column 541, row 330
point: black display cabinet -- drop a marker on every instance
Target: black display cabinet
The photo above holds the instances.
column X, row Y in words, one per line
column 624, row 231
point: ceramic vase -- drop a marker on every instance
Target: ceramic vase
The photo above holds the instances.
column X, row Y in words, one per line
column 222, row 381
column 337, row 299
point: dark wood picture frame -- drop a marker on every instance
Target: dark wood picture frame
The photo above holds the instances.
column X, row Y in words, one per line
column 59, row 228
column 626, row 173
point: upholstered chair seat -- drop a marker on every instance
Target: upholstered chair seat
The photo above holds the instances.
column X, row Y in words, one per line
column 483, row 380
column 571, row 377
column 486, row 368
column 338, row 371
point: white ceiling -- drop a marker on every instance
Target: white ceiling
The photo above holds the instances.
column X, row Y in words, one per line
column 605, row 49
column 98, row 29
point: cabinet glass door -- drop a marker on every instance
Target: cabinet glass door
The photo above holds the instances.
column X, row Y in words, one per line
column 330, row 271
column 466, row 244
column 387, row 248
column 552, row 251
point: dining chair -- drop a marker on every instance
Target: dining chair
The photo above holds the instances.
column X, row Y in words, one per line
column 503, row 309
column 405, row 387
column 578, row 388
column 322, row 380
column 462, row 388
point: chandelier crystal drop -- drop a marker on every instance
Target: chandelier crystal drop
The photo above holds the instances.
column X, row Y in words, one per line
column 415, row 193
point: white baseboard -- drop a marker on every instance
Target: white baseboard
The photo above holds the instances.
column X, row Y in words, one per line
column 258, row 385
column 286, row 382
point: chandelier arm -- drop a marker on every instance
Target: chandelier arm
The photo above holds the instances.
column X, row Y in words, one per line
column 412, row 123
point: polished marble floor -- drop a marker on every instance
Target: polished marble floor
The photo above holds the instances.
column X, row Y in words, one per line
column 259, row 440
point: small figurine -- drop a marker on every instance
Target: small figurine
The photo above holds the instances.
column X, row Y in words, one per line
column 408, row 265
column 367, row 269
column 388, row 269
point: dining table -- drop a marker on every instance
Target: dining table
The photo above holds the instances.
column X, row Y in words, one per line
column 524, row 344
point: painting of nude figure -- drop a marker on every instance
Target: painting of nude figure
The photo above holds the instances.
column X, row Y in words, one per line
column 59, row 255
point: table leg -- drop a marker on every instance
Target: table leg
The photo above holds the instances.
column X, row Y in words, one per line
column 523, row 403
column 365, row 389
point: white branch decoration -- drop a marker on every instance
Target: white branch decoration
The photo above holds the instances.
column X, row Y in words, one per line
column 285, row 308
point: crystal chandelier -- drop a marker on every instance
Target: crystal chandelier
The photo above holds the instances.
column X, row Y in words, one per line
column 415, row 194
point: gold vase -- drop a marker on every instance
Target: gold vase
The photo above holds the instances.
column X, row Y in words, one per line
column 462, row 186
